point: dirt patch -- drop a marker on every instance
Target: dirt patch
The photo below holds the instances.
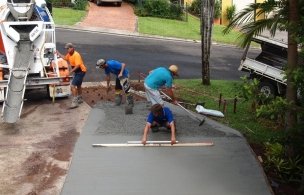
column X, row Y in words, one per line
column 35, row 152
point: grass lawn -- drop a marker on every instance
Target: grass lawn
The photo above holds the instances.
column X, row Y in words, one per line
column 67, row 16
column 244, row 120
column 182, row 29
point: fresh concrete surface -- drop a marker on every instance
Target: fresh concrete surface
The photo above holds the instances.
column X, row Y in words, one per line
column 227, row 168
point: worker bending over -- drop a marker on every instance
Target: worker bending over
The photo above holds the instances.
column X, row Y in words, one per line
column 122, row 79
column 159, row 117
column 157, row 79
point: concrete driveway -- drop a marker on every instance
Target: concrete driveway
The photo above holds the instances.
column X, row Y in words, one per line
column 110, row 17
column 227, row 168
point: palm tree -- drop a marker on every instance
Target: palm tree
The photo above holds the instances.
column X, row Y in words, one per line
column 285, row 16
column 206, row 31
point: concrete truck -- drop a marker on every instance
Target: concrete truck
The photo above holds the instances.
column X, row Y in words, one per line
column 27, row 55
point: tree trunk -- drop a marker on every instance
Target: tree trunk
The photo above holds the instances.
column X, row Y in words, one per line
column 206, row 32
column 291, row 93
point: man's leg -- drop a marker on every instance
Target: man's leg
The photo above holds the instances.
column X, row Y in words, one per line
column 125, row 83
column 79, row 88
column 118, row 90
column 79, row 94
column 74, row 103
column 75, row 83
column 155, row 126
column 154, row 96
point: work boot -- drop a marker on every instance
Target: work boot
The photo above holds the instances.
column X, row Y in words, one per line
column 74, row 103
column 130, row 100
column 79, row 99
column 118, row 99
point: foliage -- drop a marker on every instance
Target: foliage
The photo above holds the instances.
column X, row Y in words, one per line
column 192, row 91
column 250, row 92
column 275, row 110
column 287, row 169
column 159, row 8
column 195, row 8
column 62, row 3
column 230, row 12
column 277, row 12
column 217, row 8
column 80, row 4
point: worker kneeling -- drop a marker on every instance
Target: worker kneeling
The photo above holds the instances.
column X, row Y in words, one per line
column 159, row 117
column 122, row 81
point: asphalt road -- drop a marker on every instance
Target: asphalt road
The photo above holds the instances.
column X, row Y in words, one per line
column 142, row 54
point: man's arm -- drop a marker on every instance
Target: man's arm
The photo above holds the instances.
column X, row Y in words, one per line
column 171, row 94
column 108, row 79
column 123, row 65
column 145, row 135
column 75, row 68
column 60, row 54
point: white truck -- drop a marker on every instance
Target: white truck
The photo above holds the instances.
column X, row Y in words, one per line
column 268, row 66
column 27, row 55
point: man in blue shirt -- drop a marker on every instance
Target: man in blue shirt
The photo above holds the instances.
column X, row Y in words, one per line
column 158, row 78
column 159, row 117
column 122, row 79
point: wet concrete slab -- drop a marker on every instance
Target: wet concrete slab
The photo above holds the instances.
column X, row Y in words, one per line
column 228, row 167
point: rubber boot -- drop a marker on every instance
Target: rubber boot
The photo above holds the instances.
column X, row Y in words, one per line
column 74, row 103
column 118, row 99
column 130, row 100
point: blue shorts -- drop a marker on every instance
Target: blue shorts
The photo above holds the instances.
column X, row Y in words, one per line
column 78, row 78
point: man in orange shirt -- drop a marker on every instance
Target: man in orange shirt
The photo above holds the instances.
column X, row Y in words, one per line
column 79, row 70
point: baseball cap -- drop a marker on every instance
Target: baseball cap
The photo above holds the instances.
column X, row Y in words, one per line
column 69, row 45
column 174, row 69
column 100, row 62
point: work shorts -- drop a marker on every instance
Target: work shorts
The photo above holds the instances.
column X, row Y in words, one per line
column 78, row 78
column 123, row 83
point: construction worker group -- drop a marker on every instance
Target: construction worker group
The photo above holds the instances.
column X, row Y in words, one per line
column 159, row 78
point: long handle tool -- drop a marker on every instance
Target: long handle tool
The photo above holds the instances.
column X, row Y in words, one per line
column 189, row 112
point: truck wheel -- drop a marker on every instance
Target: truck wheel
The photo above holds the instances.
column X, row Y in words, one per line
column 267, row 89
column 118, row 4
column 98, row 2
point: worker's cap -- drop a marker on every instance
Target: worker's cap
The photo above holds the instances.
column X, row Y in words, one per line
column 174, row 69
column 100, row 63
column 69, row 45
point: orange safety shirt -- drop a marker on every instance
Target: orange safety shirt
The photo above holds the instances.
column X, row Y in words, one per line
column 75, row 60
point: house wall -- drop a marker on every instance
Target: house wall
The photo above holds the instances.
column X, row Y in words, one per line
column 239, row 5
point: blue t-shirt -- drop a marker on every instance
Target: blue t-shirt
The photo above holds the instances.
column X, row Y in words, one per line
column 167, row 116
column 114, row 67
column 159, row 77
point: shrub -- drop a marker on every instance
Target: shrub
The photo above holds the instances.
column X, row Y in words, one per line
column 217, row 8
column 159, row 8
column 61, row 3
column 230, row 12
column 80, row 4
column 195, row 8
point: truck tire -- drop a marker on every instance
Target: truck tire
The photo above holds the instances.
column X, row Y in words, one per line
column 98, row 2
column 267, row 89
column 118, row 4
